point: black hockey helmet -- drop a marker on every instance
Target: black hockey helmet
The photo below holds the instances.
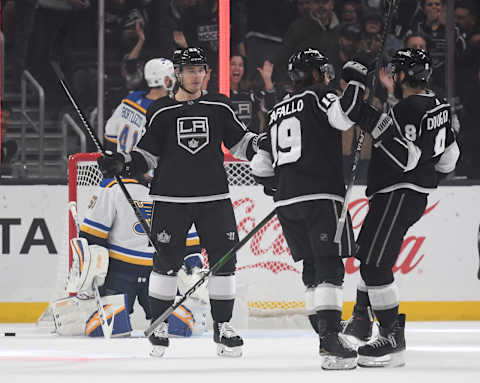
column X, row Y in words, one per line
column 189, row 56
column 415, row 63
column 301, row 63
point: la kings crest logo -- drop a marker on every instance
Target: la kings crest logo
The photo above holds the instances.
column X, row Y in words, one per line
column 193, row 133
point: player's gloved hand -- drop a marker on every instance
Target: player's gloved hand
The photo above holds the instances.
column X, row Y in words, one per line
column 354, row 71
column 269, row 184
column 261, row 142
column 111, row 164
column 376, row 123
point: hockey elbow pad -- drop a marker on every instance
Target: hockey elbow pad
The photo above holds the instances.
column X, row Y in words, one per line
column 375, row 122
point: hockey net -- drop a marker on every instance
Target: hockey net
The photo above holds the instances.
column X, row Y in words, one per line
column 268, row 281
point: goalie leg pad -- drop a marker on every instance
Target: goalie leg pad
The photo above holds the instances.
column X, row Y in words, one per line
column 181, row 322
column 89, row 263
column 70, row 315
column 74, row 316
column 114, row 305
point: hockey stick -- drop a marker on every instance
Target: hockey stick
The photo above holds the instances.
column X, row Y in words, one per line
column 391, row 6
column 100, row 148
column 106, row 328
column 149, row 331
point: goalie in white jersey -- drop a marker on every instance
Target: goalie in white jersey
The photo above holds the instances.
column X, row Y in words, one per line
column 127, row 124
column 111, row 223
column 110, row 231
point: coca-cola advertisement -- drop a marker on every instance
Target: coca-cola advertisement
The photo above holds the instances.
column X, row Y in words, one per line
column 438, row 260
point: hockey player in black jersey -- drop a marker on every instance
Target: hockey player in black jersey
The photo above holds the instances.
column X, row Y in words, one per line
column 407, row 162
column 303, row 171
column 183, row 144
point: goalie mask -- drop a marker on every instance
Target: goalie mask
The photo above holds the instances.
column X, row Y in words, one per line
column 160, row 72
column 301, row 64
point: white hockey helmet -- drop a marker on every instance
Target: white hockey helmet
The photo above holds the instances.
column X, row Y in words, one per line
column 159, row 72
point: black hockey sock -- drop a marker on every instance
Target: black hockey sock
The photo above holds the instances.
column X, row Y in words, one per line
column 158, row 307
column 387, row 318
column 221, row 309
column 328, row 321
column 362, row 303
column 314, row 321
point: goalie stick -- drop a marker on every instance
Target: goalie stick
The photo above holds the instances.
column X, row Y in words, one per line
column 391, row 6
column 149, row 331
column 106, row 328
column 100, row 148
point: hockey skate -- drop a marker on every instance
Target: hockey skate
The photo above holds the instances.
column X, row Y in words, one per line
column 358, row 329
column 229, row 343
column 159, row 340
column 388, row 350
column 337, row 354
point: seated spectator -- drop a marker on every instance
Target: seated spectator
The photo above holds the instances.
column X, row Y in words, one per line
column 8, row 147
column 350, row 12
column 370, row 41
column 249, row 103
column 318, row 31
column 434, row 28
column 265, row 31
column 303, row 7
column 200, row 28
column 466, row 19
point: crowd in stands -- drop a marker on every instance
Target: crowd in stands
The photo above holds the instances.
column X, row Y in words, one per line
column 263, row 36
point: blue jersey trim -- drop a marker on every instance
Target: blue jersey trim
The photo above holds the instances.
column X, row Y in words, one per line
column 96, row 224
column 130, row 252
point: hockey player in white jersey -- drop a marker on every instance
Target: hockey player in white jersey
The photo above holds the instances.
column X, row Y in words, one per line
column 127, row 123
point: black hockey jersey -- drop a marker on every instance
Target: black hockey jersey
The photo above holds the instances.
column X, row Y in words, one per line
column 422, row 124
column 183, row 143
column 306, row 139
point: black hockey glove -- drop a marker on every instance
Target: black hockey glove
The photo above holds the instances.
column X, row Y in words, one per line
column 111, row 164
column 354, row 71
column 261, row 142
column 376, row 123
column 269, row 184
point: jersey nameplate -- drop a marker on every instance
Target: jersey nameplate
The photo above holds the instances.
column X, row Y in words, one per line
column 192, row 133
column 438, row 120
column 286, row 109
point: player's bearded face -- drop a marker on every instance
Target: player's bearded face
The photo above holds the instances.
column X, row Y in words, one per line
column 397, row 87
column 193, row 77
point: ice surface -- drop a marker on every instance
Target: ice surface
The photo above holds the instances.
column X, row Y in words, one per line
column 436, row 352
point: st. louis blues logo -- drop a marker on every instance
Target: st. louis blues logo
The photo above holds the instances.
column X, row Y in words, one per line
column 192, row 133
column 146, row 210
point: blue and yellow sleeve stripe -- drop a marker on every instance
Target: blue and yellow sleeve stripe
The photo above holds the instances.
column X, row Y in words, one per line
column 94, row 228
column 130, row 256
column 134, row 105
column 111, row 138
column 109, row 182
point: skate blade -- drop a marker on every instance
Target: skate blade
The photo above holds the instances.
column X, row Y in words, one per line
column 158, row 351
column 353, row 341
column 331, row 362
column 396, row 359
column 229, row 352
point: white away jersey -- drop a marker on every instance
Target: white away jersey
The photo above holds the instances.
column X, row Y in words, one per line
column 126, row 125
column 111, row 222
